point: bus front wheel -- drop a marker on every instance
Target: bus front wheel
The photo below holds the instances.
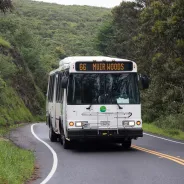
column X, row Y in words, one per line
column 65, row 142
column 126, row 144
column 52, row 135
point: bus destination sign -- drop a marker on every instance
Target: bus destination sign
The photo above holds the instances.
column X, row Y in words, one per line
column 104, row 66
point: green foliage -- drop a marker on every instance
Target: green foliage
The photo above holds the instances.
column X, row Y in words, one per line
column 116, row 36
column 6, row 5
column 7, row 67
column 104, row 38
column 4, row 43
column 171, row 133
column 61, row 52
column 16, row 165
column 171, row 122
column 70, row 27
column 12, row 108
column 2, row 84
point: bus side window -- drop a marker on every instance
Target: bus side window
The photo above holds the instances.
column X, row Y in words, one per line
column 48, row 88
column 51, row 88
column 60, row 94
column 49, row 92
column 58, row 88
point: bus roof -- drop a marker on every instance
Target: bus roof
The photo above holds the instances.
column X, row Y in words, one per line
column 66, row 62
column 74, row 59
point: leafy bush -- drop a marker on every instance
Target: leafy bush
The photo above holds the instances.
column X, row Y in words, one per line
column 4, row 43
column 12, row 108
column 174, row 121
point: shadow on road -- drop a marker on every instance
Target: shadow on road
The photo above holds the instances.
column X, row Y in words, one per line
column 99, row 147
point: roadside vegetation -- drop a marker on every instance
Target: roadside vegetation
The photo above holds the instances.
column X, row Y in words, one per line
column 151, row 33
column 169, row 133
column 6, row 5
column 17, row 165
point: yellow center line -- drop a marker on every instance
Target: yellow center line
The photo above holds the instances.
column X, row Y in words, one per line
column 169, row 157
column 144, row 149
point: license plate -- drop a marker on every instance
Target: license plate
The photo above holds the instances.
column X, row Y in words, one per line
column 105, row 123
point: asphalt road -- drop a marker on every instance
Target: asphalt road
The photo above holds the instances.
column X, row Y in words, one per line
column 151, row 160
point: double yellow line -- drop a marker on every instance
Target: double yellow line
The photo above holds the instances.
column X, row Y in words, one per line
column 169, row 157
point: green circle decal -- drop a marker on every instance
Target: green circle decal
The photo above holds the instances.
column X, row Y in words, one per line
column 103, row 109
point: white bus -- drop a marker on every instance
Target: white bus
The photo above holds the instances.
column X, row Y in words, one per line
column 95, row 98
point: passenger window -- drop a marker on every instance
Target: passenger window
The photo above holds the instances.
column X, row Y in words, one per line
column 59, row 90
column 51, row 88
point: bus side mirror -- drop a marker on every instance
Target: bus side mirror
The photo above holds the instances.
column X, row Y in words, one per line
column 64, row 82
column 144, row 81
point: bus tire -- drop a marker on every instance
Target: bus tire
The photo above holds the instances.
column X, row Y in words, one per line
column 52, row 135
column 61, row 132
column 60, row 139
column 66, row 143
column 47, row 120
column 126, row 144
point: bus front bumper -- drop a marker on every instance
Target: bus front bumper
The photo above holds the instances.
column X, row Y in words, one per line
column 105, row 134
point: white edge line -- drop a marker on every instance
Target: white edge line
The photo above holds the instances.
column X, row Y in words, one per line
column 55, row 158
column 164, row 139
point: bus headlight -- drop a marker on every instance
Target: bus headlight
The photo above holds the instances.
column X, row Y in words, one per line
column 129, row 123
column 80, row 123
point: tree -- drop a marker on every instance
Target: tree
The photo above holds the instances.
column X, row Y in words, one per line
column 115, row 36
column 6, row 5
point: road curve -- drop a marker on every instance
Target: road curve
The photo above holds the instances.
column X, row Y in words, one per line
column 150, row 160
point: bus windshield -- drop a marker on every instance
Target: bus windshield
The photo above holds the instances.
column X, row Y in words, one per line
column 103, row 88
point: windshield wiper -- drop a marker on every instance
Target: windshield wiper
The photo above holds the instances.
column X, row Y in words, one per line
column 88, row 108
column 119, row 106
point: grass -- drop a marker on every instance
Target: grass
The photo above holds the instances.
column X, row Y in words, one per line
column 170, row 133
column 17, row 165
column 12, row 108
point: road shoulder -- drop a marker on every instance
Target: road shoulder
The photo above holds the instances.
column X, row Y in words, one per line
column 23, row 138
